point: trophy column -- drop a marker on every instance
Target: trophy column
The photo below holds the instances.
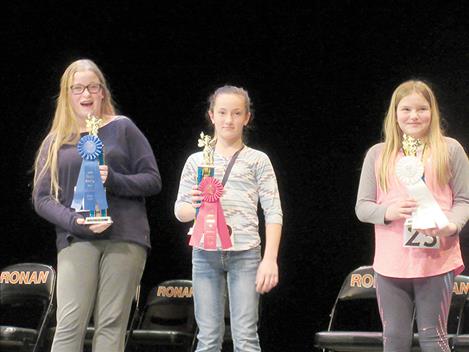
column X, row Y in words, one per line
column 89, row 196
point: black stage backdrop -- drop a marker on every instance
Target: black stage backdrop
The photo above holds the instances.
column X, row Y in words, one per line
column 320, row 76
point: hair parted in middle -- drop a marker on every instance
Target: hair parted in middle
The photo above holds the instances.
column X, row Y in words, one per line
column 434, row 139
column 65, row 128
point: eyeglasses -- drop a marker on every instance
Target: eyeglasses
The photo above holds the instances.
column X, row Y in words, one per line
column 93, row 88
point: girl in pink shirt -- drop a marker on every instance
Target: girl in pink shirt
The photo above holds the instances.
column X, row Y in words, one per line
column 414, row 187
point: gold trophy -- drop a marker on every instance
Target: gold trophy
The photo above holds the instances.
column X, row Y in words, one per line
column 207, row 168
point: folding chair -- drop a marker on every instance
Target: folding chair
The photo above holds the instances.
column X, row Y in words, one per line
column 27, row 305
column 354, row 323
column 458, row 322
column 167, row 318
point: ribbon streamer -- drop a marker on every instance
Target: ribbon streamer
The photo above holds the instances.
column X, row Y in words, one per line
column 409, row 170
column 211, row 219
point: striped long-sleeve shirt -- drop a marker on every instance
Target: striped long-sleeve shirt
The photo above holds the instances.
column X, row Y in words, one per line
column 252, row 180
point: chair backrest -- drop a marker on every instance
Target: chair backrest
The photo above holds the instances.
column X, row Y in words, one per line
column 355, row 307
column 22, row 287
column 20, row 282
column 169, row 307
column 458, row 321
column 359, row 284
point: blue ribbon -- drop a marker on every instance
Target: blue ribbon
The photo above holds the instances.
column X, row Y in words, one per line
column 90, row 147
column 89, row 191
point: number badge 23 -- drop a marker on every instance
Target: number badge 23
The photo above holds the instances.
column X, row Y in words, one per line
column 415, row 239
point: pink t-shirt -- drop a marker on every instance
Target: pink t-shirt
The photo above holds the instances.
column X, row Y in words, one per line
column 391, row 257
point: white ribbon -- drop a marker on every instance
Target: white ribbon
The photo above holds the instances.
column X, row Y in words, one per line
column 409, row 171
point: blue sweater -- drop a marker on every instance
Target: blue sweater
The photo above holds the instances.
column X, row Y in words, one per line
column 133, row 175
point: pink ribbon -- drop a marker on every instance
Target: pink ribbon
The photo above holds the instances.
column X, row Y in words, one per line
column 211, row 218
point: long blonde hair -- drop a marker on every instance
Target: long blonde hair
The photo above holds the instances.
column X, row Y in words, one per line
column 65, row 128
column 435, row 143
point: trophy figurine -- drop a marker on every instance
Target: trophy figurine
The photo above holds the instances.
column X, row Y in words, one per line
column 89, row 196
column 207, row 169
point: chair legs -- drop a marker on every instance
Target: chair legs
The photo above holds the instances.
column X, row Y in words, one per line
column 193, row 345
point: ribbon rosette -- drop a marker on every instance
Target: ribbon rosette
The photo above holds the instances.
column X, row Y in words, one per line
column 211, row 219
column 409, row 170
column 90, row 147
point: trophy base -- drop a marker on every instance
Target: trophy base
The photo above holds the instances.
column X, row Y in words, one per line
column 98, row 220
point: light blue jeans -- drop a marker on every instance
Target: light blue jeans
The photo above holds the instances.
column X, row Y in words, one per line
column 209, row 270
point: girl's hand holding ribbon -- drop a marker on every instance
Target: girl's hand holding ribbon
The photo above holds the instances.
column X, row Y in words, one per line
column 446, row 231
column 400, row 209
column 103, row 171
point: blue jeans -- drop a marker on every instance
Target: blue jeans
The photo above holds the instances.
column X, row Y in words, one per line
column 209, row 269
